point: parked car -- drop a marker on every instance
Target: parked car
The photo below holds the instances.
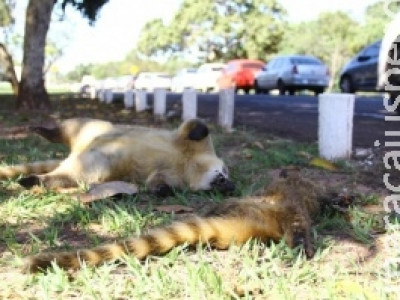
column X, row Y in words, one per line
column 377, row 66
column 207, row 76
column 240, row 73
column 360, row 73
column 389, row 63
column 87, row 83
column 123, row 83
column 291, row 73
column 185, row 78
column 151, row 80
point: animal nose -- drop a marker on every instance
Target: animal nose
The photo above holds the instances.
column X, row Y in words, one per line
column 222, row 184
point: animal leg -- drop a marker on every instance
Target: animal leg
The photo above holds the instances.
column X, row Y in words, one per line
column 298, row 233
column 49, row 181
column 60, row 177
column 161, row 184
column 51, row 134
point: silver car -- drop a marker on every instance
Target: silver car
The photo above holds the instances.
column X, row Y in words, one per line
column 289, row 73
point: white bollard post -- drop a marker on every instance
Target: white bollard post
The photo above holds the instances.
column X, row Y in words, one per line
column 189, row 104
column 160, row 105
column 109, row 96
column 102, row 97
column 128, row 99
column 335, row 132
column 226, row 108
column 140, row 100
column 92, row 92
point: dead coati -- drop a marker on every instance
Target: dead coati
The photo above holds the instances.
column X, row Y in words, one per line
column 101, row 151
column 284, row 211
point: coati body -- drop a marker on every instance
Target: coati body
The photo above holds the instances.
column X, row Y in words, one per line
column 101, row 151
column 284, row 211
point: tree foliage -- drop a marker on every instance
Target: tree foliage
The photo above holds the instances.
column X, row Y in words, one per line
column 375, row 21
column 88, row 8
column 6, row 7
column 331, row 37
column 132, row 64
column 6, row 60
column 32, row 93
column 214, row 30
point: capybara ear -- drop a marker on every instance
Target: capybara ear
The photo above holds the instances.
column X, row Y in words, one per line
column 193, row 130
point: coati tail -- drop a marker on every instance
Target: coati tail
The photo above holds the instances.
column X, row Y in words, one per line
column 216, row 231
column 29, row 168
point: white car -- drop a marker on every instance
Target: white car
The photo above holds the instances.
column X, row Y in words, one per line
column 207, row 76
column 289, row 73
column 185, row 78
column 123, row 83
column 152, row 80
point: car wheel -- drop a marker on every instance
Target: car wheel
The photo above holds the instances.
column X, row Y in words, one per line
column 318, row 91
column 257, row 88
column 346, row 84
column 281, row 87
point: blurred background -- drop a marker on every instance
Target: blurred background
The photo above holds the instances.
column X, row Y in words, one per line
column 110, row 43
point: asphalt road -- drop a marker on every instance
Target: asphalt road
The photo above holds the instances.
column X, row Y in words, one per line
column 296, row 117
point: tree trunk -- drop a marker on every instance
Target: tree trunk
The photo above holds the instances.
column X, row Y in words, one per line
column 334, row 67
column 32, row 91
column 7, row 62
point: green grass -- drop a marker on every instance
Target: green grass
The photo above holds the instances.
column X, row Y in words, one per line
column 31, row 222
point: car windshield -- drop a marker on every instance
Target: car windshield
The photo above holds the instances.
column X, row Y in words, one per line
column 252, row 66
column 163, row 75
column 305, row 61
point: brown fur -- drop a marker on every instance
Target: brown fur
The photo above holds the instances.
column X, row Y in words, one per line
column 101, row 151
column 284, row 211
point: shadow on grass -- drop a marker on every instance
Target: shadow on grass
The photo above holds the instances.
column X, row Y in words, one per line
column 80, row 227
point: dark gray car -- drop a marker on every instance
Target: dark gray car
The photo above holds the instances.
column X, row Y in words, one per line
column 360, row 73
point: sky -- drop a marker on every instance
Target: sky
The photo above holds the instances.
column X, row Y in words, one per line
column 119, row 23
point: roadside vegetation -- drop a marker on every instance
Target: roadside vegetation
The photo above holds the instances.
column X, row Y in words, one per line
column 352, row 246
column 198, row 32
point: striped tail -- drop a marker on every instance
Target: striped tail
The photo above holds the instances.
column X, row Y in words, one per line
column 157, row 241
column 39, row 167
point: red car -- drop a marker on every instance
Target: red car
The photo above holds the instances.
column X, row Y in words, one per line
column 240, row 73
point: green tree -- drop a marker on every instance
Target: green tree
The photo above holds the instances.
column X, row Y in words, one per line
column 331, row 37
column 375, row 21
column 6, row 7
column 80, row 70
column 32, row 92
column 52, row 53
column 215, row 30
column 6, row 61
